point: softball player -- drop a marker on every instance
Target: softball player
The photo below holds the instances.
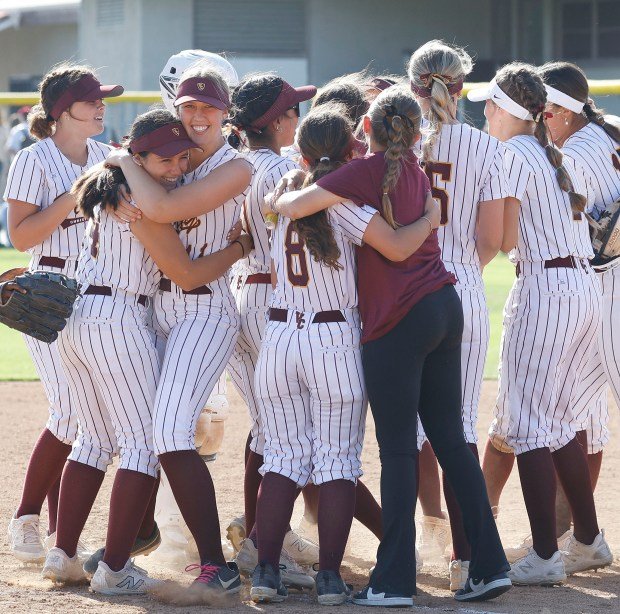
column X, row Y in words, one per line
column 465, row 168
column 201, row 325
column 542, row 359
column 411, row 319
column 109, row 355
column 43, row 222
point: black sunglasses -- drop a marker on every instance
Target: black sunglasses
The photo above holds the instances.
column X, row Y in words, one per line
column 295, row 108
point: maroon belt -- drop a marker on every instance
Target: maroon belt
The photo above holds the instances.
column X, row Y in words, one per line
column 107, row 291
column 322, row 317
column 258, row 278
column 569, row 262
column 165, row 285
column 56, row 263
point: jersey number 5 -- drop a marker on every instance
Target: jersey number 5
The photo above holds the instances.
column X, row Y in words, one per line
column 443, row 170
column 296, row 265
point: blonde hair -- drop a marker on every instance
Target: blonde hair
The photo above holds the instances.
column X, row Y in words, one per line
column 435, row 66
column 395, row 118
column 40, row 123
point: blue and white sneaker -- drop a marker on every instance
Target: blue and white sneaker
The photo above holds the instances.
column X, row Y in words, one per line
column 482, row 590
column 385, row 600
column 267, row 585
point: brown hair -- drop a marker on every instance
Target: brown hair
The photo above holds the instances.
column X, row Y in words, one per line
column 572, row 81
column 395, row 122
column 523, row 84
column 101, row 184
column 440, row 64
column 325, row 139
column 52, row 86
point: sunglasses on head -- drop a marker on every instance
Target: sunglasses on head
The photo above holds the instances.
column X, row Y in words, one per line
column 295, row 108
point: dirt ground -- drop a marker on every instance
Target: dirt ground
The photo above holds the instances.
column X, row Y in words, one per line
column 23, row 412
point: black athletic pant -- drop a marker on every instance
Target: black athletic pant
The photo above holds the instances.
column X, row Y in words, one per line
column 416, row 368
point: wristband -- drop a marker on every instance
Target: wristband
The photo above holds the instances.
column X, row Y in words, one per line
column 241, row 245
column 430, row 225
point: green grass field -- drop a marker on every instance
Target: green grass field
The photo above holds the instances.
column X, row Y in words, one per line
column 15, row 362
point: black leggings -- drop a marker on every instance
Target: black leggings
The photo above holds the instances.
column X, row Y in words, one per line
column 416, row 368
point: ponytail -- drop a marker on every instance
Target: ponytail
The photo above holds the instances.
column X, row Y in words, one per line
column 595, row 116
column 396, row 148
column 99, row 185
column 40, row 124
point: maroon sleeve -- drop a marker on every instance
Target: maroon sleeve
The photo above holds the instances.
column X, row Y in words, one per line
column 350, row 182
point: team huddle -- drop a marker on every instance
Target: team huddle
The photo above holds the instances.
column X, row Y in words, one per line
column 326, row 264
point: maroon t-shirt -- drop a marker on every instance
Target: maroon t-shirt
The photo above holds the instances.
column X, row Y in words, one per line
column 388, row 290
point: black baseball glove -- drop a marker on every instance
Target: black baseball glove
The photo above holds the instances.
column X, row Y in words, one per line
column 605, row 234
column 36, row 303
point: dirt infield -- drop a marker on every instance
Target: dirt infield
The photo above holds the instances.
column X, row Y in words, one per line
column 23, row 412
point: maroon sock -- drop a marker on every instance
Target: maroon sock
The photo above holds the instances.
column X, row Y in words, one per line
column 336, row 509
column 78, row 490
column 52, row 506
column 276, row 499
column 538, row 483
column 429, row 489
column 367, row 510
column 461, row 550
column 44, row 469
column 572, row 469
column 193, row 490
column 131, row 494
column 311, row 494
column 148, row 522
column 251, row 484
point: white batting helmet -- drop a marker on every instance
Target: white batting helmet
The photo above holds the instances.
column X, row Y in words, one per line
column 180, row 62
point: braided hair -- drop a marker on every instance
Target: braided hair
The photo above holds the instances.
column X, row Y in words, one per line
column 394, row 122
column 523, row 84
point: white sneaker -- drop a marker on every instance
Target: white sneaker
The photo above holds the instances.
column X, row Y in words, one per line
column 308, row 530
column 434, row 537
column 531, row 569
column 579, row 557
column 131, row 580
column 25, row 540
column 459, row 571
column 293, row 576
column 418, row 560
column 235, row 533
column 518, row 552
column 61, row 568
column 83, row 552
column 301, row 550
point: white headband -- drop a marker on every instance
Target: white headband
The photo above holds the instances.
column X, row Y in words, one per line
column 495, row 93
column 564, row 100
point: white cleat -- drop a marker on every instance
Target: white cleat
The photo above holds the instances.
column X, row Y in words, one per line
column 434, row 537
column 301, row 550
column 131, row 580
column 531, row 569
column 83, row 552
column 235, row 532
column 25, row 540
column 459, row 571
column 59, row 567
column 580, row 557
column 518, row 552
column 293, row 576
column 419, row 562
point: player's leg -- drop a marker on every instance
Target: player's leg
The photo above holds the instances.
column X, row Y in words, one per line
column 496, row 467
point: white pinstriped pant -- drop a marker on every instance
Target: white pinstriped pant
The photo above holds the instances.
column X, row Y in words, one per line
column 311, row 394
column 200, row 340
column 62, row 421
column 109, row 356
column 476, row 333
column 551, row 319
column 252, row 301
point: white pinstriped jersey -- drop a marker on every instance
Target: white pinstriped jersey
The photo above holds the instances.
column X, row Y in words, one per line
column 306, row 285
column 112, row 256
column 39, row 174
column 547, row 229
column 268, row 170
column 598, row 156
column 466, row 169
column 206, row 233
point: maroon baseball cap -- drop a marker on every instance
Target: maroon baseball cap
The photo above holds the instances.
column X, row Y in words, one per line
column 168, row 140
column 85, row 89
column 288, row 97
column 202, row 90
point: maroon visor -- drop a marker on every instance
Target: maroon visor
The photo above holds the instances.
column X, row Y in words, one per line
column 382, row 84
column 85, row 89
column 202, row 90
column 168, row 140
column 288, row 97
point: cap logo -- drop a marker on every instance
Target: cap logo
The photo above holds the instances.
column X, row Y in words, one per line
column 201, row 86
column 176, row 131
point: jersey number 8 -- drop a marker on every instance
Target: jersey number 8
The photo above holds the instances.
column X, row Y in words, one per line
column 443, row 170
